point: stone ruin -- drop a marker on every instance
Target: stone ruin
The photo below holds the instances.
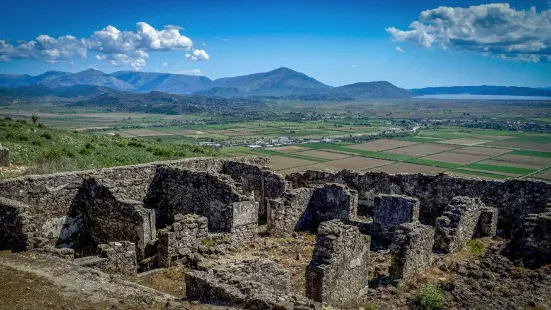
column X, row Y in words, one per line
column 4, row 157
column 133, row 219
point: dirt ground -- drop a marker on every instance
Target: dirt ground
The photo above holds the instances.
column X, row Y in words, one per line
column 465, row 141
column 456, row 158
column 288, row 149
column 146, row 133
column 542, row 148
column 513, row 144
column 408, row 168
column 323, row 154
column 353, row 163
column 485, row 151
column 281, row 162
column 381, row 145
column 422, row 149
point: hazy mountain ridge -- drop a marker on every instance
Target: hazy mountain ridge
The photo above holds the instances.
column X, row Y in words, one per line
column 483, row 90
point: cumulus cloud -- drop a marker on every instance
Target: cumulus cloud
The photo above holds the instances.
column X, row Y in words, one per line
column 164, row 64
column 495, row 29
column 399, row 49
column 119, row 48
column 197, row 55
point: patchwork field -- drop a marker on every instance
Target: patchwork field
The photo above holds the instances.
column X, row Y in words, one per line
column 480, row 154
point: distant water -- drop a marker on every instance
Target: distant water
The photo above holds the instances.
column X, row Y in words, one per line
column 482, row 97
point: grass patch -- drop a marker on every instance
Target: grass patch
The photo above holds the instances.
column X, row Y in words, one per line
column 429, row 297
column 532, row 153
column 505, row 169
column 476, row 247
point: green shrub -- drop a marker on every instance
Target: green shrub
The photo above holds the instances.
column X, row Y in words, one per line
column 41, row 125
column 476, row 247
column 47, row 136
column 430, row 297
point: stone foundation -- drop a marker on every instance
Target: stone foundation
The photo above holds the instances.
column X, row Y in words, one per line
column 120, row 257
column 458, row 223
column 339, row 266
column 181, row 238
column 411, row 249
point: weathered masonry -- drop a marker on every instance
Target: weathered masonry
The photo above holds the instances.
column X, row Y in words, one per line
column 136, row 218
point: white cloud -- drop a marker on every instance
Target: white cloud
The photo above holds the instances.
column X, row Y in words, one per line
column 399, row 49
column 191, row 72
column 164, row 64
column 119, row 48
column 196, row 55
column 170, row 27
column 353, row 66
column 496, row 30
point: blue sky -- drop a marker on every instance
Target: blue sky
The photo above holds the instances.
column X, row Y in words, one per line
column 336, row 42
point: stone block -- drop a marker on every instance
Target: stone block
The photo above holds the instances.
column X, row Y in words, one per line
column 339, row 266
column 389, row 211
column 121, row 257
column 411, row 249
column 458, row 224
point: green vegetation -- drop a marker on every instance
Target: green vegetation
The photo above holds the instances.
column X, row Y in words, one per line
column 290, row 155
column 480, row 174
column 531, row 153
column 476, row 247
column 38, row 149
column 430, row 297
column 504, row 169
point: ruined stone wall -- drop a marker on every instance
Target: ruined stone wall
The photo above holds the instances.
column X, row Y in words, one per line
column 177, row 190
column 244, row 221
column 181, row 238
column 411, row 249
column 4, row 157
column 249, row 284
column 285, row 212
column 339, row 266
column 458, row 223
column 328, row 202
column 53, row 198
column 532, row 243
column 259, row 181
column 120, row 257
column 513, row 198
column 16, row 230
column 110, row 218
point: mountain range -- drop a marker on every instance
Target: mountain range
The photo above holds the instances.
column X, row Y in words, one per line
column 282, row 82
column 279, row 83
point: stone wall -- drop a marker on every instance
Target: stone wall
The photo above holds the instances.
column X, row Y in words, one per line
column 4, row 157
column 458, row 224
column 244, row 221
column 16, row 230
column 249, row 284
column 181, row 238
column 178, row 190
column 120, row 257
column 411, row 249
column 487, row 223
column 339, row 266
column 513, row 198
column 532, row 243
column 256, row 180
column 110, row 218
column 52, row 198
column 285, row 212
column 328, row 202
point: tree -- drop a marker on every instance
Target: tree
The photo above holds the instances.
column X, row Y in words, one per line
column 35, row 118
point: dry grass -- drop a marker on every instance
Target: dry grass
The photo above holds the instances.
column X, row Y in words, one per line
column 288, row 149
column 323, row 154
column 513, row 144
column 281, row 162
column 353, row 163
column 456, row 158
column 484, row 151
column 146, row 133
column 170, row 281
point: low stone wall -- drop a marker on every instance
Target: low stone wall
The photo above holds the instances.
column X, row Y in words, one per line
column 244, row 221
column 249, row 284
column 4, row 157
column 120, row 257
column 181, row 238
column 411, row 249
column 285, row 212
column 487, row 223
column 339, row 266
column 458, row 224
column 16, row 230
column 513, row 198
